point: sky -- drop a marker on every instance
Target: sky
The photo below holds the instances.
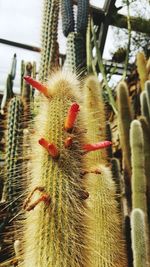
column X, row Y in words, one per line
column 20, row 21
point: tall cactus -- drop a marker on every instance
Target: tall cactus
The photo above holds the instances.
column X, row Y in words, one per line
column 138, row 166
column 124, row 120
column 108, row 246
column 139, row 239
column 141, row 68
column 14, row 178
column 76, row 54
column 102, row 201
column 94, row 110
column 49, row 53
column 56, row 231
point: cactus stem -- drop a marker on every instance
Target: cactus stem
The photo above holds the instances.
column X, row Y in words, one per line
column 68, row 142
column 100, row 145
column 71, row 116
column 51, row 148
column 40, row 87
column 44, row 198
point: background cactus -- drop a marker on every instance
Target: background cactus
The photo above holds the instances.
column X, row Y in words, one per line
column 67, row 16
column 138, row 166
column 141, row 68
column 139, row 239
column 50, row 52
column 101, row 187
column 13, row 178
column 56, row 230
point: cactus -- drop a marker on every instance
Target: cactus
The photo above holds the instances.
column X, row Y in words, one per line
column 75, row 58
column 8, row 93
column 124, row 120
column 138, row 166
column 13, row 178
column 94, row 110
column 67, row 16
column 146, row 135
column 147, row 89
column 141, row 68
column 139, row 239
column 101, row 187
column 49, row 53
column 55, row 231
column 108, row 245
column 82, row 16
column 144, row 105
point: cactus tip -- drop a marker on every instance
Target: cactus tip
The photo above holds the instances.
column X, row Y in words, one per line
column 40, row 87
column 97, row 146
column 71, row 116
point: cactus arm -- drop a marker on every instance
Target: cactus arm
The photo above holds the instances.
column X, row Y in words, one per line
column 138, row 166
column 67, row 16
column 82, row 16
column 139, row 239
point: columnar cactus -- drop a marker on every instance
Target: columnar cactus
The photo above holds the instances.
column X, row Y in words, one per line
column 138, row 166
column 94, row 110
column 124, row 120
column 14, row 178
column 49, row 53
column 141, row 68
column 108, row 246
column 55, row 228
column 139, row 239
column 76, row 54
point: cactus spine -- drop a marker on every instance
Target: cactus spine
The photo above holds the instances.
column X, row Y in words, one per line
column 139, row 239
column 56, row 234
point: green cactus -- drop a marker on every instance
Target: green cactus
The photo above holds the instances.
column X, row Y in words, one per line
column 141, row 68
column 139, row 239
column 8, row 93
column 147, row 89
column 124, row 120
column 146, row 135
column 94, row 110
column 67, row 16
column 49, row 53
column 75, row 58
column 82, row 16
column 138, row 166
column 108, row 245
column 13, row 178
column 144, row 105
column 55, row 232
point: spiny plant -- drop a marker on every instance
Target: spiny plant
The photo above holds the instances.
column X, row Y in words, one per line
column 75, row 56
column 138, row 166
column 49, row 53
column 108, row 246
column 94, row 110
column 56, row 231
column 141, row 68
column 13, row 177
column 8, row 92
column 139, row 239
